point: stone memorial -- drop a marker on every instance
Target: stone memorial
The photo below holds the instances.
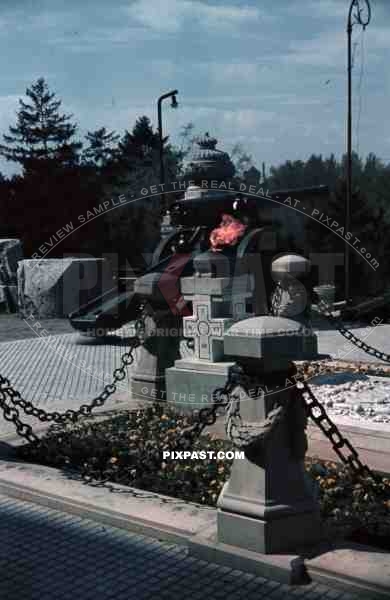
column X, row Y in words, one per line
column 218, row 300
column 55, row 287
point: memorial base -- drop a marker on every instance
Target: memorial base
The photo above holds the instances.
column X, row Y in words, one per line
column 287, row 533
column 191, row 383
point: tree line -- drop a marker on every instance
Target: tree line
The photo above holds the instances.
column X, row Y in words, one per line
column 62, row 177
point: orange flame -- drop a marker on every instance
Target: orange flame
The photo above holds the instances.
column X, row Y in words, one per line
column 227, row 234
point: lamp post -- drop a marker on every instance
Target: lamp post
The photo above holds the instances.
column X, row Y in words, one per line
column 361, row 17
column 174, row 104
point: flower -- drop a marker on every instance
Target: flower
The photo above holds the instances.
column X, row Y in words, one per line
column 227, row 234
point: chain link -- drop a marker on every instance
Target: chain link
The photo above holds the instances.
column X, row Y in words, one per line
column 324, row 309
column 318, row 414
column 221, row 399
column 11, row 400
column 315, row 410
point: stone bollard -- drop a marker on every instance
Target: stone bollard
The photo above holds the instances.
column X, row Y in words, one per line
column 161, row 338
column 291, row 297
column 268, row 504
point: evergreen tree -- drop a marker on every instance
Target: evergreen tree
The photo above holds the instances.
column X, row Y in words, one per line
column 101, row 149
column 42, row 137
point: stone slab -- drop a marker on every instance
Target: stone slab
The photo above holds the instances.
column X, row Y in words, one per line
column 266, row 537
column 276, row 341
column 190, row 389
column 218, row 368
column 218, row 286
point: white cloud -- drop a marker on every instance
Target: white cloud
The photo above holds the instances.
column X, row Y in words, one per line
column 170, row 16
column 319, row 8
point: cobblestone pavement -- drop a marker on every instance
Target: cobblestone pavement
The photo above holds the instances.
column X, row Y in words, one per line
column 46, row 554
column 60, row 371
column 59, row 367
column 13, row 327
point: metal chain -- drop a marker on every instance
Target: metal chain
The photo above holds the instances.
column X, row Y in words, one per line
column 318, row 414
column 276, row 300
column 324, row 309
column 221, row 399
column 315, row 411
column 11, row 400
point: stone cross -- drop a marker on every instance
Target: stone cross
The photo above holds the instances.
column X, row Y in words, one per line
column 207, row 331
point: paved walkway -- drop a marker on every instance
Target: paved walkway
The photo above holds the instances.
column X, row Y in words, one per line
column 47, row 554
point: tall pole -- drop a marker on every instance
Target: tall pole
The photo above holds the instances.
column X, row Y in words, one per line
column 361, row 17
column 172, row 95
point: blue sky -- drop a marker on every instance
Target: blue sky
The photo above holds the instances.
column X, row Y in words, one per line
column 267, row 74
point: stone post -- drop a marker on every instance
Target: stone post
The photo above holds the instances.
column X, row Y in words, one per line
column 161, row 338
column 292, row 295
column 268, row 505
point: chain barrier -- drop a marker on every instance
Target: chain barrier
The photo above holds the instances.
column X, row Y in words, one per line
column 242, row 436
column 318, row 414
column 223, row 398
column 324, row 309
column 11, row 400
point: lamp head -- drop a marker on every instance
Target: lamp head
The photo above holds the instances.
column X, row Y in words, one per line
column 174, row 103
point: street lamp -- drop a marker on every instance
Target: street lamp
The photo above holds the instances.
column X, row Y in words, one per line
column 174, row 104
column 361, row 17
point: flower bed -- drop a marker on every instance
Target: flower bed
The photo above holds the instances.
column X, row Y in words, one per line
column 128, row 449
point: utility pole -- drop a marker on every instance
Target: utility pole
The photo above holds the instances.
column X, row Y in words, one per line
column 361, row 17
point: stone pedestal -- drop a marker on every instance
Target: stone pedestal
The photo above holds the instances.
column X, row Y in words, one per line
column 268, row 504
column 161, row 338
column 158, row 352
column 55, row 287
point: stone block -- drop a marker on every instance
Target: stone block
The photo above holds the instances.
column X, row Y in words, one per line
column 290, row 265
column 217, row 286
column 55, row 287
column 275, row 341
column 190, row 383
column 290, row 533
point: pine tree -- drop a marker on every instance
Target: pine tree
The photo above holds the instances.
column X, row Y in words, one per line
column 101, row 149
column 42, row 137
